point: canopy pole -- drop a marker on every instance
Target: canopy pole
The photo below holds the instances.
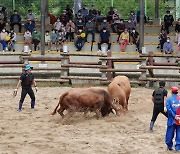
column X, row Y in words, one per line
column 112, row 3
column 141, row 26
column 43, row 12
column 13, row 5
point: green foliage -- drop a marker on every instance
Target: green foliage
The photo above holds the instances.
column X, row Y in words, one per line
column 56, row 6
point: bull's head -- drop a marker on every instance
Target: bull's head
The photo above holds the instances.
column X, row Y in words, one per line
column 116, row 108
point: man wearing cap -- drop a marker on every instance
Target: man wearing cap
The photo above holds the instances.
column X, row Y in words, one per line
column 173, row 122
column 26, row 80
column 159, row 98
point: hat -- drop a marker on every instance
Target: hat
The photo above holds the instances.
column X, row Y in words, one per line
column 174, row 89
column 28, row 67
column 162, row 83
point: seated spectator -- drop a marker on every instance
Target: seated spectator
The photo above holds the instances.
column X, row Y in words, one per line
column 80, row 24
column 124, row 39
column 80, row 40
column 28, row 39
column 168, row 47
column 53, row 38
column 61, row 39
column 120, row 28
column 162, row 39
column 90, row 16
column 57, row 25
column 48, row 40
column 116, row 21
column 99, row 19
column 84, row 11
column 135, row 38
column 130, row 26
column 5, row 13
column 11, row 43
column 15, row 19
column 70, row 29
column 79, row 16
column 2, row 25
column 168, row 21
column 64, row 18
column 94, row 11
column 69, row 12
column 104, row 37
column 104, row 24
column 30, row 15
column 132, row 17
column 110, row 15
column 3, row 35
column 30, row 25
column 36, row 38
column 89, row 28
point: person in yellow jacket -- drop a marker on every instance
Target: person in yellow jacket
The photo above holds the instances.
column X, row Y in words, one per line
column 124, row 39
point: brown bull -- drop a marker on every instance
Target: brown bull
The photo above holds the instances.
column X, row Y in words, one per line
column 83, row 100
column 120, row 89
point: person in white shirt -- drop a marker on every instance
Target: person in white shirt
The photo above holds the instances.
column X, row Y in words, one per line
column 28, row 39
column 57, row 25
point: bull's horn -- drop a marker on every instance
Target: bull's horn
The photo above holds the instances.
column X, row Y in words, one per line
column 114, row 112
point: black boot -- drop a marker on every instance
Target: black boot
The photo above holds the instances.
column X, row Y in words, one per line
column 151, row 126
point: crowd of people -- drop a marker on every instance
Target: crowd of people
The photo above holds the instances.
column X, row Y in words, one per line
column 76, row 28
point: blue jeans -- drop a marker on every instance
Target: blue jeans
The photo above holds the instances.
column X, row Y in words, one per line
column 170, row 135
column 4, row 45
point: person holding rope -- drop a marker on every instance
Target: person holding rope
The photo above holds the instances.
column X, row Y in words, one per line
column 26, row 81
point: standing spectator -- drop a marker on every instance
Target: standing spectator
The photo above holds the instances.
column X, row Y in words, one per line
column 173, row 122
column 162, row 39
column 11, row 44
column 30, row 25
column 132, row 17
column 53, row 37
column 168, row 21
column 89, row 28
column 116, row 21
column 15, row 19
column 36, row 38
column 5, row 13
column 110, row 15
column 80, row 40
column 90, row 16
column 64, row 18
column 79, row 16
column 28, row 39
column 31, row 16
column 80, row 24
column 124, row 39
column 120, row 28
column 48, row 40
column 135, row 38
column 178, row 40
column 3, row 40
column 177, row 30
column 61, row 36
column 94, row 11
column 138, row 17
column 159, row 99
column 69, row 12
column 99, row 19
column 70, row 29
column 2, row 25
column 168, row 47
column 104, row 37
column 84, row 11
column 57, row 25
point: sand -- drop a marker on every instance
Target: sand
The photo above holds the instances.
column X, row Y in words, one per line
column 36, row 132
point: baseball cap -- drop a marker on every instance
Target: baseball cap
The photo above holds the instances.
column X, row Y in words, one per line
column 174, row 89
column 28, row 67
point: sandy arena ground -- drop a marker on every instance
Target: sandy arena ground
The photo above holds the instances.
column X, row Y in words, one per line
column 36, row 132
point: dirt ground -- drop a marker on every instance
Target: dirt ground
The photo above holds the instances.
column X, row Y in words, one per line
column 36, row 132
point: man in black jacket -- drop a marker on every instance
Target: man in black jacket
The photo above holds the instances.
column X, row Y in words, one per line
column 168, row 21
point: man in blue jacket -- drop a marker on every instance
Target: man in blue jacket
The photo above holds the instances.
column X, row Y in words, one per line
column 173, row 122
column 15, row 19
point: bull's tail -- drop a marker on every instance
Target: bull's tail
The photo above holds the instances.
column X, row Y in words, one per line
column 60, row 99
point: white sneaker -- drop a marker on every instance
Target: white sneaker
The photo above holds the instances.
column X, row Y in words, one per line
column 99, row 51
column 6, row 49
column 3, row 51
